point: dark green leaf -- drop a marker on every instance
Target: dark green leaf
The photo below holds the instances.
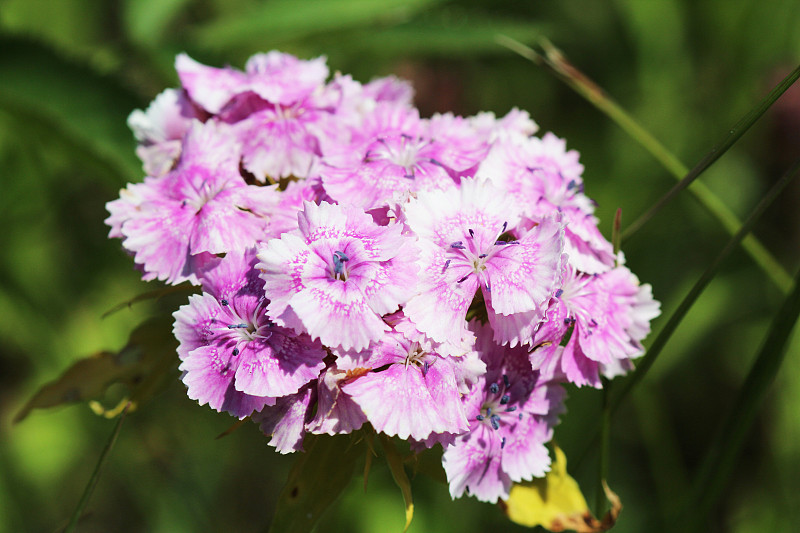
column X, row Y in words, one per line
column 400, row 476
column 283, row 20
column 442, row 39
column 142, row 365
column 317, row 479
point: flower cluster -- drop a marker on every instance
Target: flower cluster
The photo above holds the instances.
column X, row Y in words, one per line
column 438, row 278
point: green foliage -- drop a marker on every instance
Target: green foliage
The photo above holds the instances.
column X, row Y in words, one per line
column 71, row 72
column 316, row 480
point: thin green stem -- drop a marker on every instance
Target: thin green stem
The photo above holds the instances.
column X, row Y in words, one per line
column 728, row 140
column 722, row 456
column 554, row 61
column 605, row 432
column 87, row 492
column 644, row 364
column 672, row 324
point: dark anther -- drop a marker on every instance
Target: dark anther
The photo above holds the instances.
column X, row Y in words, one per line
column 494, row 388
column 481, row 256
column 559, row 292
column 425, row 367
column 458, row 245
column 495, row 420
column 235, row 352
column 237, row 326
column 479, row 418
column 339, row 259
column 506, row 382
column 502, row 443
column 505, row 399
column 505, row 225
column 471, row 233
column 224, row 302
column 463, row 279
column 446, row 264
column 511, row 409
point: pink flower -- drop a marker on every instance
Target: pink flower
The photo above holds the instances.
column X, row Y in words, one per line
column 511, row 412
column 234, row 358
column 337, row 275
column 412, row 390
column 160, row 130
column 403, row 154
column 464, row 245
column 200, row 208
column 609, row 314
column 275, row 77
column 544, row 178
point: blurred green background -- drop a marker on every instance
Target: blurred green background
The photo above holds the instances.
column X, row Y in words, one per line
column 72, row 70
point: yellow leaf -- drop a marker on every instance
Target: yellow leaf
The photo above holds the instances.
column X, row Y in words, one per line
column 555, row 502
column 399, row 474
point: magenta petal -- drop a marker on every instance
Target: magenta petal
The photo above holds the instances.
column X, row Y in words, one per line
column 337, row 314
column 420, row 405
column 578, row 368
column 278, row 366
column 524, row 455
column 524, row 276
column 209, row 376
column 336, row 411
column 286, row 420
column 440, row 309
column 472, row 465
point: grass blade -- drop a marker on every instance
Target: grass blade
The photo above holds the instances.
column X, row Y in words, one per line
column 644, row 364
column 661, row 340
column 722, row 455
column 721, row 147
column 554, row 61
column 87, row 493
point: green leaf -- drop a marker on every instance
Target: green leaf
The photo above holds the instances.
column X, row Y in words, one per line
column 147, row 20
column 142, row 365
column 441, row 38
column 88, row 110
column 283, row 20
column 316, row 480
column 399, row 475
column 155, row 294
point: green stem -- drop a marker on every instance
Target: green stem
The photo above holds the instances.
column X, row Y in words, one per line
column 554, row 61
column 87, row 492
column 720, row 461
column 672, row 324
column 605, row 431
column 644, row 364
